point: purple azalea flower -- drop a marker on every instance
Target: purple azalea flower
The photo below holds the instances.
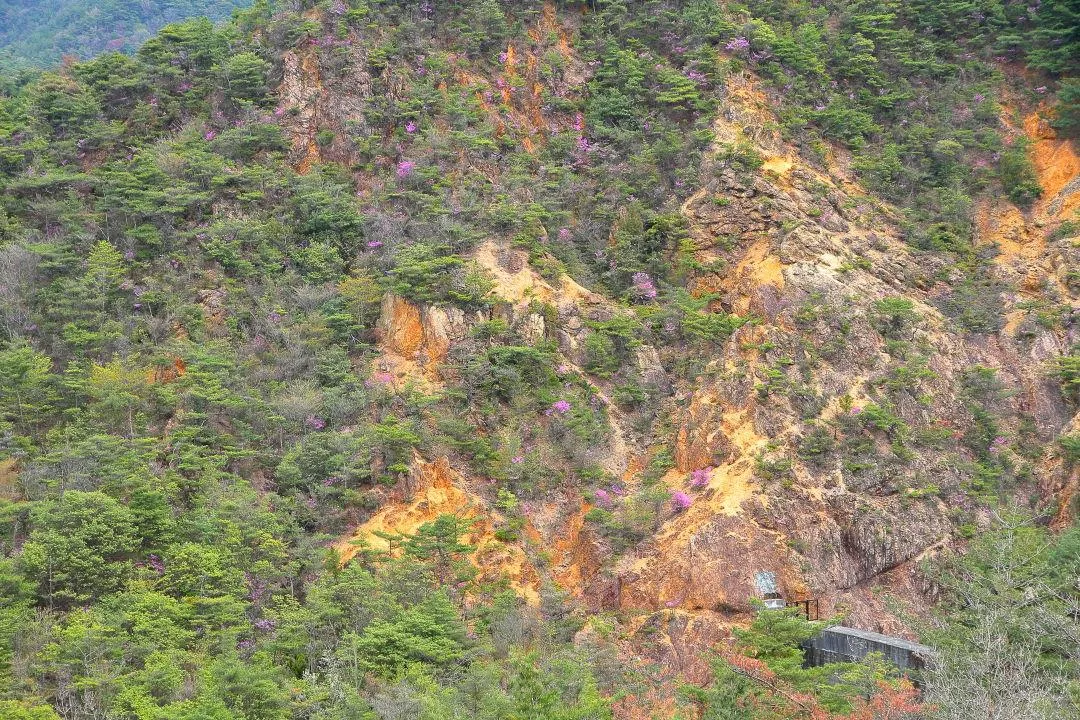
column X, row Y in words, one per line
column 264, row 624
column 681, row 501
column 700, row 478
column 644, row 288
column 381, row 378
column 405, row 168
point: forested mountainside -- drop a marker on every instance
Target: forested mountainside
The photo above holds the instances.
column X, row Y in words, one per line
column 41, row 32
column 472, row 359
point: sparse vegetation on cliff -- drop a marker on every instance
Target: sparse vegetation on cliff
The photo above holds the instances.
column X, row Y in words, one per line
column 378, row 359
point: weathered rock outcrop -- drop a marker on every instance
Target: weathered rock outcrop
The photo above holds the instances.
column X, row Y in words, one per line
column 794, row 481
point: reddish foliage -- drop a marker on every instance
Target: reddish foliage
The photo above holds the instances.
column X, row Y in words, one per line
column 891, row 701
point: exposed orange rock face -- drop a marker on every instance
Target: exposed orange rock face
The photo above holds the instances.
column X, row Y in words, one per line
column 574, row 561
column 415, row 339
column 430, row 491
column 400, row 326
column 433, row 489
column 1004, row 223
column 301, row 90
column 167, row 373
column 1038, row 268
column 1057, row 165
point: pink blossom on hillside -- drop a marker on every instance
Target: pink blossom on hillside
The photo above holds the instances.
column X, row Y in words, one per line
column 681, row 501
column 405, row 168
column 603, row 498
column 381, row 378
column 560, row 406
column 643, row 288
column 700, row 478
column 410, row 127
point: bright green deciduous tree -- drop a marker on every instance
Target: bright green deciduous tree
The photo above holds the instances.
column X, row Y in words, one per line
column 25, row 385
column 429, row 632
column 80, row 548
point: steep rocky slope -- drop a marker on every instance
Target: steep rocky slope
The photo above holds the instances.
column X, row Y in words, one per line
column 403, row 354
column 807, row 252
